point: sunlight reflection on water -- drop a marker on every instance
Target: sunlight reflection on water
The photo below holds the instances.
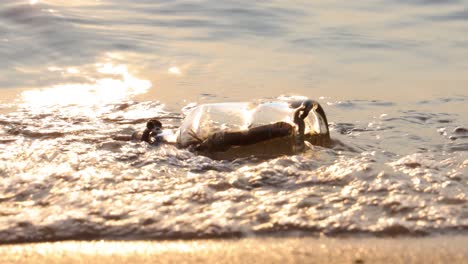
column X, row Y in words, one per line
column 123, row 85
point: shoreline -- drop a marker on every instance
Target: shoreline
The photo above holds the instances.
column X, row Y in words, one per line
column 433, row 249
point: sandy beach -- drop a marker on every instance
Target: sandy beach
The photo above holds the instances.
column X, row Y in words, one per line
column 439, row 249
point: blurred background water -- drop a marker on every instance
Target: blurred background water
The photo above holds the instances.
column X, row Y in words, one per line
column 392, row 76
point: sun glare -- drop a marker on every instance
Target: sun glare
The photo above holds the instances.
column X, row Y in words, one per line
column 72, row 70
column 174, row 70
column 33, row 2
column 120, row 86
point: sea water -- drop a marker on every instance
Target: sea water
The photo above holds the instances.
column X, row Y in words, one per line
column 391, row 75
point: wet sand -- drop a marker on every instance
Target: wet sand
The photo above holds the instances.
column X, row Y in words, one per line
column 441, row 249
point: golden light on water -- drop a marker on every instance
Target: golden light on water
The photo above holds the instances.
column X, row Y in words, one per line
column 120, row 86
column 72, row 70
column 174, row 70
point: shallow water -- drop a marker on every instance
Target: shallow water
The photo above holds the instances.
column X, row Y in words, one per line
column 391, row 76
